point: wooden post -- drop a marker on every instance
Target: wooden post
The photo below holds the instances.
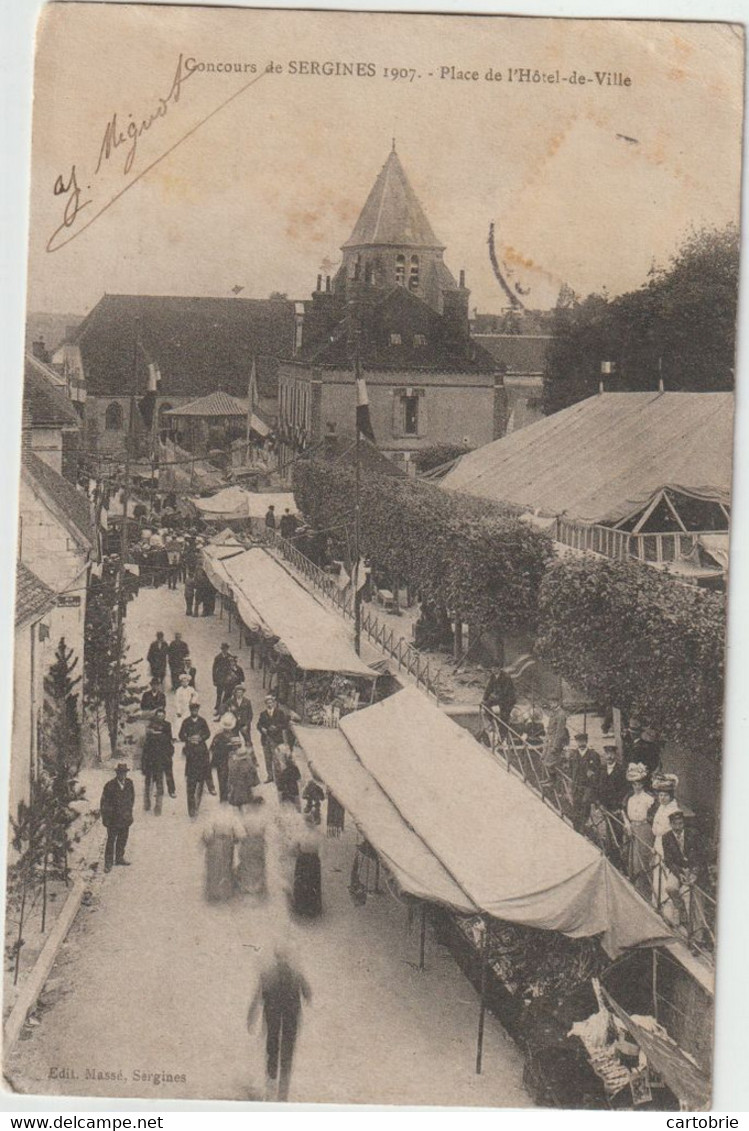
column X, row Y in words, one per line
column 304, row 696
column 423, row 936
column 482, row 999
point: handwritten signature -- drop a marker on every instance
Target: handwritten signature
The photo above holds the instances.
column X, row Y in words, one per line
column 116, row 136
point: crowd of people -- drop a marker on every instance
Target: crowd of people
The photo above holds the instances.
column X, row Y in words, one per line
column 621, row 798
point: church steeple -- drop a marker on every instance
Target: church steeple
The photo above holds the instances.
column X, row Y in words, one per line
column 393, row 243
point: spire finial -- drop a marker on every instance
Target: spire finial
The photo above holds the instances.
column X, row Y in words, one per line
column 393, row 149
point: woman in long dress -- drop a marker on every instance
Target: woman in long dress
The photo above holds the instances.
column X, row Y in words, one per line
column 638, row 809
column 307, row 894
column 251, row 873
column 242, row 773
column 219, row 835
column 664, row 787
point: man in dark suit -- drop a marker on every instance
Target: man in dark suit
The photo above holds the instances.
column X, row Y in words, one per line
column 178, row 650
column 612, row 782
column 156, row 760
column 241, row 708
column 221, row 665
column 684, row 860
column 273, row 727
column 116, row 806
column 153, row 699
column 157, row 657
column 586, row 771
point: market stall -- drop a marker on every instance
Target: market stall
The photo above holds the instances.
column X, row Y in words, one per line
column 453, row 828
column 235, row 504
column 276, row 609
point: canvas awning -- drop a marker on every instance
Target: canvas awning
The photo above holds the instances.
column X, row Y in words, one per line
column 235, row 502
column 270, row 600
column 213, row 557
column 495, row 847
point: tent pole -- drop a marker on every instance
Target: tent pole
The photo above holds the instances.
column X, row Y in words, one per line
column 482, row 1004
column 423, row 937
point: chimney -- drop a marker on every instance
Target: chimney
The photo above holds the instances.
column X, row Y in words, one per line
column 455, row 321
column 462, row 280
column 327, row 284
column 39, row 350
column 319, row 282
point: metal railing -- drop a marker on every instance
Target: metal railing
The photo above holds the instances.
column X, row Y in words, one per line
column 377, row 631
column 686, row 908
column 660, row 549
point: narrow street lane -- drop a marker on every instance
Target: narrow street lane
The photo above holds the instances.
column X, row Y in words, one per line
column 155, row 982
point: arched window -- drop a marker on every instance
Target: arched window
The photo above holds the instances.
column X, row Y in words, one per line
column 400, row 270
column 113, row 417
column 413, row 279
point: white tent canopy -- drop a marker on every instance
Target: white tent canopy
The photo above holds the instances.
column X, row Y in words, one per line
column 270, row 600
column 234, row 503
column 214, row 555
column 420, row 786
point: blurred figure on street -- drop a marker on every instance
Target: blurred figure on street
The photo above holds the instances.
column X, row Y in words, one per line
column 280, row 994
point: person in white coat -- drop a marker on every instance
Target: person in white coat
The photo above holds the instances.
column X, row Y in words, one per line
column 183, row 697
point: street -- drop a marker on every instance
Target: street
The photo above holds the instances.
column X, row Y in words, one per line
column 154, row 983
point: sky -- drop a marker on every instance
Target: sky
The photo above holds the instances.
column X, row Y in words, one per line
column 254, row 180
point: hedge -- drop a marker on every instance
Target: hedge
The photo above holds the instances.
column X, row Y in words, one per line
column 624, row 633
column 476, row 559
column 632, row 637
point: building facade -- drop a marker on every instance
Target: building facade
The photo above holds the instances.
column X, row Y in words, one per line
column 395, row 313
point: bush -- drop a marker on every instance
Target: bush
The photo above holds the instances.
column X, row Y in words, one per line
column 474, row 558
column 639, row 640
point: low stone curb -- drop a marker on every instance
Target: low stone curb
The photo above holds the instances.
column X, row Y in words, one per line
column 26, row 999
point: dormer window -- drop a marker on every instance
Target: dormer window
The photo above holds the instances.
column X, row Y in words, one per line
column 419, row 340
column 400, row 270
column 413, row 278
column 396, row 340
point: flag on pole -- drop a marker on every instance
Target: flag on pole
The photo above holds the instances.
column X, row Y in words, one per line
column 363, row 420
column 360, row 575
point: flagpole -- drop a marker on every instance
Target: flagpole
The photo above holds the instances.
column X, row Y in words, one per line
column 357, row 506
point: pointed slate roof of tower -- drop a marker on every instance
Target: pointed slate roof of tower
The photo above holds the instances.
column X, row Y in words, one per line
column 392, row 215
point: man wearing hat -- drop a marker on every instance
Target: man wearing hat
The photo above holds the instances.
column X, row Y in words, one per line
column 116, row 807
column 194, row 733
column 241, row 709
column 153, row 698
column 273, row 727
column 157, row 657
column 645, row 749
column 183, row 697
column 156, row 760
column 684, row 859
column 179, row 650
column 221, row 665
column 499, row 695
column 610, row 793
column 221, row 748
column 586, row 770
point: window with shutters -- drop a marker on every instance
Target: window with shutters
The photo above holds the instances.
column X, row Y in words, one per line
column 420, row 340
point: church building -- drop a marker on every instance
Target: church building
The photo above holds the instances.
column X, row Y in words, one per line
column 395, row 310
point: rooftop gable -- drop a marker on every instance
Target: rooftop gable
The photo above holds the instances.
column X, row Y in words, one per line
column 65, row 501
column 392, row 215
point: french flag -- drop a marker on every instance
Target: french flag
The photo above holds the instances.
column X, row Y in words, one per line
column 363, row 420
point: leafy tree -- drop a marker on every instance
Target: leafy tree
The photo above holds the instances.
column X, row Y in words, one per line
column 680, row 325
column 60, row 751
column 472, row 557
column 112, row 688
column 637, row 639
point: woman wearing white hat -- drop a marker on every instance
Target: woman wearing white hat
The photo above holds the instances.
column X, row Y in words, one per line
column 638, row 810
